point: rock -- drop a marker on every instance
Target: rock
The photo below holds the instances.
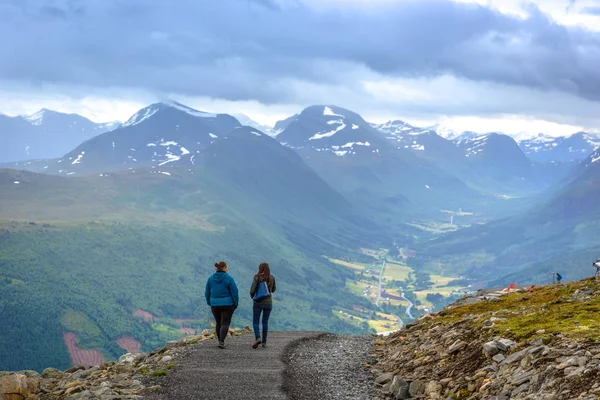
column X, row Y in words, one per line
column 18, row 387
column 457, row 346
column 74, row 368
column 514, row 357
column 499, row 357
column 52, row 373
column 505, row 344
column 166, row 359
column 384, row 378
column 416, row 388
column 403, row 391
column 127, row 358
column 171, row 344
column 523, row 388
column 490, row 349
column 433, row 389
column 521, row 377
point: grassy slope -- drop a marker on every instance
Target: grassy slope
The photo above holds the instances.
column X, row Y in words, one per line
column 125, row 243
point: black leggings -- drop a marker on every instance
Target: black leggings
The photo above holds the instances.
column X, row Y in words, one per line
column 223, row 316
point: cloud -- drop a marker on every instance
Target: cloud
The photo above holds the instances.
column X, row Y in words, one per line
column 591, row 10
column 421, row 58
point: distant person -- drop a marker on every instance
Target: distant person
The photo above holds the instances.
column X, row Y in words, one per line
column 597, row 265
column 558, row 277
column 222, row 296
column 261, row 291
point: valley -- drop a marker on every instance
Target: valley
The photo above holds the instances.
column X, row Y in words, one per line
column 367, row 227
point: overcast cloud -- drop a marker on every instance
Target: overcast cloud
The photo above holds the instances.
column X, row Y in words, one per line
column 423, row 59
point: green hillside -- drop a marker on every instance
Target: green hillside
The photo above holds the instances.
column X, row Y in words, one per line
column 109, row 247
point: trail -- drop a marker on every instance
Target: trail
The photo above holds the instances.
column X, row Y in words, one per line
column 294, row 366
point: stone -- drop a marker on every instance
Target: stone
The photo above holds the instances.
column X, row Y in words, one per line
column 416, row 388
column 433, row 389
column 514, row 357
column 505, row 344
column 499, row 357
column 521, row 377
column 127, row 358
column 384, row 378
column 74, row 368
column 490, row 349
column 166, row 359
column 52, row 373
column 457, row 346
column 18, row 387
column 523, row 388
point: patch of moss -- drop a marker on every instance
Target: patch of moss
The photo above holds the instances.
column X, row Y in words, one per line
column 170, row 366
column 555, row 309
column 160, row 372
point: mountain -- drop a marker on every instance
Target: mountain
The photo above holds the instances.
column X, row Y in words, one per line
column 247, row 121
column 564, row 224
column 91, row 256
column 386, row 179
column 565, row 149
column 157, row 135
column 45, row 134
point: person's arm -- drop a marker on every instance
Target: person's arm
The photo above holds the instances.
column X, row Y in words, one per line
column 207, row 291
column 254, row 287
column 234, row 292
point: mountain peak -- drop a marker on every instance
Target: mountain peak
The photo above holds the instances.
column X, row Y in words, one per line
column 152, row 109
column 38, row 117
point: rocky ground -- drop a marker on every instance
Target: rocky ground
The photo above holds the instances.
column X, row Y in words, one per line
column 109, row 381
column 329, row 367
column 527, row 345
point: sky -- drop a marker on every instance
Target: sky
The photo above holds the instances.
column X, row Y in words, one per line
column 482, row 65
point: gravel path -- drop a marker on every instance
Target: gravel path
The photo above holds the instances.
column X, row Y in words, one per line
column 203, row 371
column 328, row 367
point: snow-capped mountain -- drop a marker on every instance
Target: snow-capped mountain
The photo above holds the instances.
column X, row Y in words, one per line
column 158, row 135
column 576, row 147
column 330, row 129
column 45, row 134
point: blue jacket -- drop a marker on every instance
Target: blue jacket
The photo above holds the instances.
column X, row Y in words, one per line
column 221, row 290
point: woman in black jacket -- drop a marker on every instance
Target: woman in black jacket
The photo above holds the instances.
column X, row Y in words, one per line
column 263, row 302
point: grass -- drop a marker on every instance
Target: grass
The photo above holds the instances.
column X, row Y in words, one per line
column 160, row 372
column 79, row 322
column 395, row 271
column 572, row 310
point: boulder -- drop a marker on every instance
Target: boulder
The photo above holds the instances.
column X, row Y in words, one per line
column 384, row 378
column 18, row 387
column 490, row 349
column 416, row 388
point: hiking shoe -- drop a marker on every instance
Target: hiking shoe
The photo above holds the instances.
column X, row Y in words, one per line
column 256, row 343
column 264, row 345
column 221, row 345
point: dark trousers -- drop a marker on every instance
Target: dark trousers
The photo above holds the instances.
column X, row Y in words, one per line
column 223, row 316
column 265, row 309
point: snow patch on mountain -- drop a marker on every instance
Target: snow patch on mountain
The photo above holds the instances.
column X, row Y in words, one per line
column 327, row 111
column 78, row 159
column 189, row 110
column 141, row 116
column 322, row 135
column 37, row 118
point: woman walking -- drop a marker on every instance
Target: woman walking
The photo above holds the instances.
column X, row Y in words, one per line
column 263, row 286
column 222, row 296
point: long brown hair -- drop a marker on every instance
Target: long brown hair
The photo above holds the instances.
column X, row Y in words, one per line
column 264, row 272
column 221, row 266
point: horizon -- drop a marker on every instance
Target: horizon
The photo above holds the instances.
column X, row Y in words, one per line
column 469, row 65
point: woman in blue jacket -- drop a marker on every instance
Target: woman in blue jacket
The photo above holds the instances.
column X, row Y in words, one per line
column 222, row 296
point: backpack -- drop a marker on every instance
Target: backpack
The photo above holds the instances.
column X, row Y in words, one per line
column 262, row 292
